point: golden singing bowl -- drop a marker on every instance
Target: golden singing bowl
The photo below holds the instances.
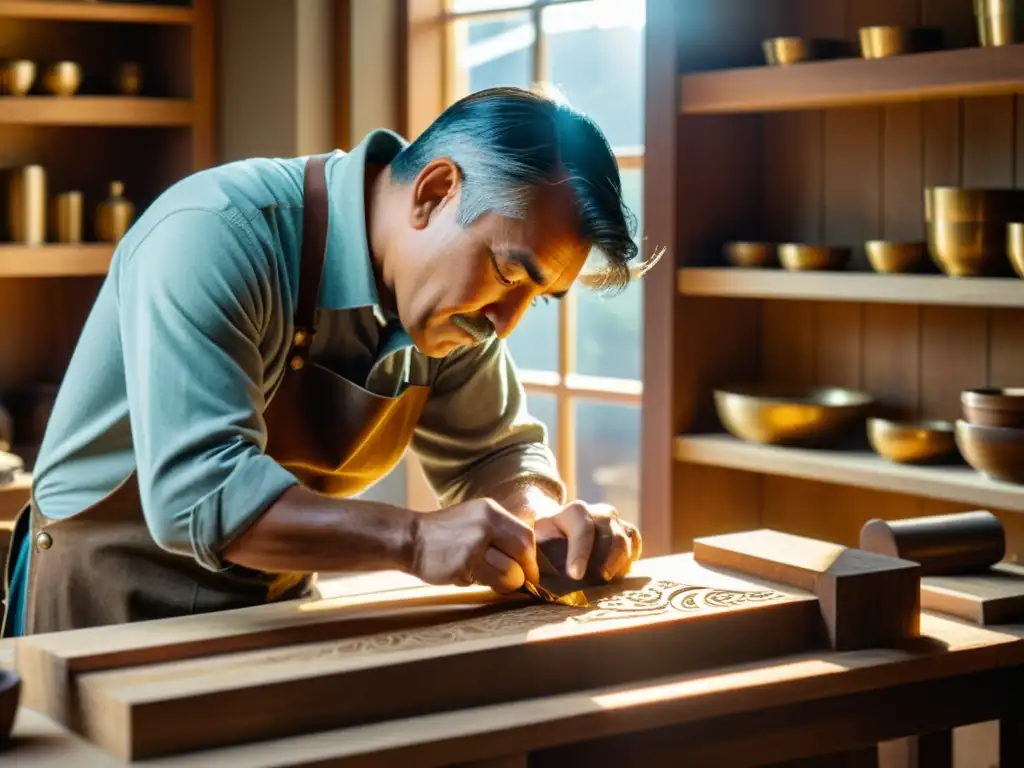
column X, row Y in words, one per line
column 969, row 249
column 63, row 78
column 780, row 415
column 912, row 442
column 800, row 257
column 997, row 452
column 18, row 77
column 787, row 50
column 880, row 42
column 1015, row 246
column 747, row 254
column 1000, row 22
column 961, row 204
column 897, row 258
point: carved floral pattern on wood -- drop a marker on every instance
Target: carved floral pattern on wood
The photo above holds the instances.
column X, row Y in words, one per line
column 655, row 598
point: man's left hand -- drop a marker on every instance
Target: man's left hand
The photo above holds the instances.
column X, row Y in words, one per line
column 584, row 525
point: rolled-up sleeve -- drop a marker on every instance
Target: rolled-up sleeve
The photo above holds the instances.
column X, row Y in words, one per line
column 476, row 435
column 193, row 297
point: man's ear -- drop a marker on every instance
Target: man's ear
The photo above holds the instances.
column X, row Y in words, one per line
column 436, row 186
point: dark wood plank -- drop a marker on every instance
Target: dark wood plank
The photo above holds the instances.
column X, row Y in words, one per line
column 955, row 18
column 954, row 357
column 892, row 357
column 902, row 201
column 988, row 142
column 853, row 178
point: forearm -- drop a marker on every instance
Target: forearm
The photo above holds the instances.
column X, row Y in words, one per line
column 528, row 498
column 307, row 532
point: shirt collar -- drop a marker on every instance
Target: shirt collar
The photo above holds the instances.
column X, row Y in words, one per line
column 348, row 279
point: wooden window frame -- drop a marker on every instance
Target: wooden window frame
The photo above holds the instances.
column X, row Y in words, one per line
column 428, row 85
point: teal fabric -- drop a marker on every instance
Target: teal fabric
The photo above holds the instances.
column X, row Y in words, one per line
column 189, row 337
column 18, row 588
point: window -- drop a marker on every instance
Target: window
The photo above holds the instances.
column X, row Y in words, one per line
column 584, row 381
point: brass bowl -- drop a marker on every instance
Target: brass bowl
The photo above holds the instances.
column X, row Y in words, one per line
column 1015, row 246
column 970, row 248
column 779, row 415
column 885, row 41
column 18, row 77
column 992, row 407
column 63, row 78
column 897, row 258
column 779, row 51
column 912, row 442
column 1000, row 22
column 963, row 204
column 748, row 254
column 129, row 78
column 997, row 452
column 800, row 257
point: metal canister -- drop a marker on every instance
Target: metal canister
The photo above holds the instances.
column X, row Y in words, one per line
column 67, row 217
column 27, row 205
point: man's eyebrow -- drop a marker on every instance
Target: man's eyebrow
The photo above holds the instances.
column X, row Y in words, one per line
column 526, row 260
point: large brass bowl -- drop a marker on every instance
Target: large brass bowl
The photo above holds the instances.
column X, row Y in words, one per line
column 997, row 452
column 912, row 442
column 897, row 258
column 780, row 415
column 961, row 204
column 800, row 257
column 1015, row 246
column 969, row 249
column 17, row 77
column 63, row 78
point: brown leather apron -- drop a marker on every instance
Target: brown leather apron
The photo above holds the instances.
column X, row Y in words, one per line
column 102, row 566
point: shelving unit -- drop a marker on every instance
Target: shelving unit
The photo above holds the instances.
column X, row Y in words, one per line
column 84, row 142
column 832, row 152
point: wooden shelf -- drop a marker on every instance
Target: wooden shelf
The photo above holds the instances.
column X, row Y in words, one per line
column 77, row 10
column 849, row 82
column 95, row 110
column 55, row 260
column 861, row 469
column 851, row 286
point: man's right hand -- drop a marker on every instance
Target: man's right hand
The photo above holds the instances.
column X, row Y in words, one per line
column 477, row 542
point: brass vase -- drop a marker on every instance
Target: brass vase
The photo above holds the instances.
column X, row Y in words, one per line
column 67, row 218
column 18, row 77
column 63, row 78
column 26, row 215
column 129, row 78
column 114, row 215
column 1000, row 22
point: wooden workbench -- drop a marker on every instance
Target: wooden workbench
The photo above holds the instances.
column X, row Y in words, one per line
column 779, row 710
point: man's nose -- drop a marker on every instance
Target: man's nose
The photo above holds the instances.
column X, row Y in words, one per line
column 506, row 314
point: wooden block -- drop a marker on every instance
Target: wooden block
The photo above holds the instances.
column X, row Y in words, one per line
column 993, row 597
column 941, row 544
column 866, row 599
column 671, row 616
column 355, row 605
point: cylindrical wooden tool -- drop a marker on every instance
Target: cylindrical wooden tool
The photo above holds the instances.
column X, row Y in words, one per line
column 943, row 544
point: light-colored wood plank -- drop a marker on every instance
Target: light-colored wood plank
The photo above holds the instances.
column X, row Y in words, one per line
column 862, row 469
column 992, row 597
column 866, row 600
column 75, row 10
column 95, row 110
column 851, row 82
column 55, row 260
column 530, row 651
column 936, row 290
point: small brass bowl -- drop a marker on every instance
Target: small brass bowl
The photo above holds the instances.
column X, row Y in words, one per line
column 779, row 51
column 1015, row 246
column 1000, row 22
column 882, row 42
column 18, row 77
column 801, row 257
column 912, row 442
column 969, row 248
column 129, row 78
column 749, row 254
column 779, row 415
column 991, row 407
column 964, row 204
column 997, row 452
column 63, row 78
column 897, row 258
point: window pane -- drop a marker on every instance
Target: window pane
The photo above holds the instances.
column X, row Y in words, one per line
column 534, row 342
column 493, row 52
column 609, row 329
column 390, row 489
column 608, row 456
column 596, row 58
column 545, row 407
column 466, row 6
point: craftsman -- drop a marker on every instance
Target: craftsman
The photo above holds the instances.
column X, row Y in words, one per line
column 274, row 333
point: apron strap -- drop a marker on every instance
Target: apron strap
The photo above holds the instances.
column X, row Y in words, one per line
column 314, row 247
